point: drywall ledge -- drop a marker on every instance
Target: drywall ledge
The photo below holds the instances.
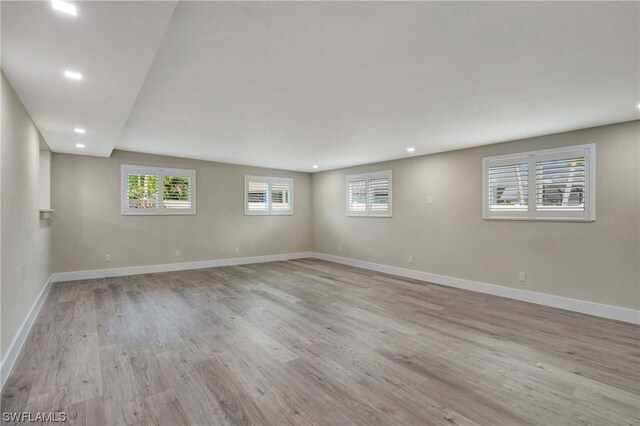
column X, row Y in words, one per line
column 575, row 305
column 168, row 267
column 21, row 336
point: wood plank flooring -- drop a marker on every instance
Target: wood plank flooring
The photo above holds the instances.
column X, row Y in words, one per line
column 310, row 342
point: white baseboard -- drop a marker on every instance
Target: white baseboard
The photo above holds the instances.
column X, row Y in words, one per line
column 583, row 306
column 168, row 267
column 21, row 336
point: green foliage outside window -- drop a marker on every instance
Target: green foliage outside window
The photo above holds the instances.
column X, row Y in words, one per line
column 176, row 188
column 142, row 190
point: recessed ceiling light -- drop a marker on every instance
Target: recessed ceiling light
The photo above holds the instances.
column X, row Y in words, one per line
column 72, row 74
column 79, row 145
column 411, row 149
column 315, row 166
column 63, row 6
column 79, row 130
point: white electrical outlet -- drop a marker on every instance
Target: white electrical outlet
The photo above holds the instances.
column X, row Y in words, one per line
column 522, row 277
column 339, row 247
column 237, row 249
column 177, row 252
column 107, row 258
column 410, row 259
column 429, row 199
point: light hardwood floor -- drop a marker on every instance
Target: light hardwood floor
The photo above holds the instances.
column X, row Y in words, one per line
column 312, row 342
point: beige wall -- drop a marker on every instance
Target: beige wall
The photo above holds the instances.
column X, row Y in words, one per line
column 25, row 238
column 598, row 262
column 85, row 191
column 44, row 184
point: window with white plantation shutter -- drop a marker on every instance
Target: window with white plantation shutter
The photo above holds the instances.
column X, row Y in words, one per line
column 369, row 194
column 268, row 195
column 379, row 196
column 257, row 197
column 560, row 185
column 157, row 191
column 508, row 186
column 554, row 184
column 177, row 192
column 280, row 197
column 142, row 191
column 357, row 196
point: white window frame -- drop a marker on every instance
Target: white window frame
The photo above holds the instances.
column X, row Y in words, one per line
column 161, row 172
column 269, row 180
column 531, row 158
column 367, row 177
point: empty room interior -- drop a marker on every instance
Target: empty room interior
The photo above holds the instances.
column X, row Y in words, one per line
column 320, row 213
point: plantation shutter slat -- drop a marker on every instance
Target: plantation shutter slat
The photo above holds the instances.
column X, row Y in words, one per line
column 142, row 191
column 177, row 192
column 258, row 195
column 357, row 191
column 379, row 196
column 560, row 185
column 280, row 197
column 508, row 187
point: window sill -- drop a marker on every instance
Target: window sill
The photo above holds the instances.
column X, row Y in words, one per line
column 269, row 214
column 159, row 214
column 542, row 219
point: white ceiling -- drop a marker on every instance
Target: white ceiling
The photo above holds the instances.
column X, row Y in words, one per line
column 289, row 85
column 111, row 44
